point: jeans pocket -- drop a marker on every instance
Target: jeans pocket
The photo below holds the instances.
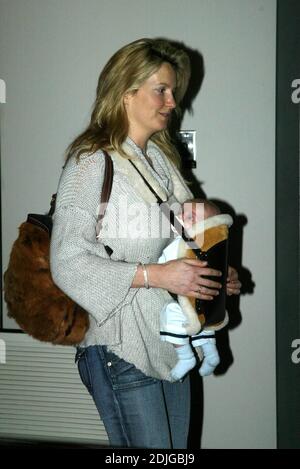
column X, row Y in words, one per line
column 116, row 365
column 83, row 369
column 125, row 375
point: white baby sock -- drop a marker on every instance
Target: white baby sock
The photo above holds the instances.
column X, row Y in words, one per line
column 186, row 361
column 211, row 358
column 207, row 343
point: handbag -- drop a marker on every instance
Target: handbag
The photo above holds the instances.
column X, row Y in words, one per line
column 33, row 300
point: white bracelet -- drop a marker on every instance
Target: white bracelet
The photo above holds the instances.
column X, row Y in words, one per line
column 146, row 280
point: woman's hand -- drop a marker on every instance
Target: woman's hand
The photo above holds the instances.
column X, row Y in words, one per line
column 233, row 285
column 185, row 277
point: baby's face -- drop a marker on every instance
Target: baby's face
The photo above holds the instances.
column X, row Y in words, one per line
column 192, row 212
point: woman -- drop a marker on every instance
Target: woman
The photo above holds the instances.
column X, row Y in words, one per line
column 122, row 361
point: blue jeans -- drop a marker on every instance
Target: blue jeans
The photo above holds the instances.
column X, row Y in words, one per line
column 137, row 410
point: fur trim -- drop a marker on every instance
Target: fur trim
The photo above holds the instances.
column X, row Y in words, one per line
column 124, row 166
column 219, row 325
column 193, row 325
column 180, row 189
column 211, row 222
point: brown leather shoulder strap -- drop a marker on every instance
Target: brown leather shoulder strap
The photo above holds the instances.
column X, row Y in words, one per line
column 105, row 193
column 106, row 190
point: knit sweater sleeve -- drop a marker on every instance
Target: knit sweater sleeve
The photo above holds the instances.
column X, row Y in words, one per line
column 80, row 265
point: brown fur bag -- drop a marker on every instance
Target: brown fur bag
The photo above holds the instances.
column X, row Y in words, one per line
column 38, row 306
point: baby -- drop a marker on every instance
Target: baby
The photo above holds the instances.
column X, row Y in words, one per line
column 174, row 325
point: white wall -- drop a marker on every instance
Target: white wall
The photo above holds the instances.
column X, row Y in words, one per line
column 51, row 53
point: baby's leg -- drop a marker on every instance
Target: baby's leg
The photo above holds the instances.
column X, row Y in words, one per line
column 207, row 343
column 186, row 361
column 172, row 330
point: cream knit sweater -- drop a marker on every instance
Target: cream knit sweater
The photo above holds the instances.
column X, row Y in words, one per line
column 123, row 318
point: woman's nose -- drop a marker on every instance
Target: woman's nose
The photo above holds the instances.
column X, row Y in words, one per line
column 171, row 103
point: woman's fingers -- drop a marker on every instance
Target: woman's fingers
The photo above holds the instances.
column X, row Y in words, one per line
column 202, row 269
column 204, row 288
column 207, row 288
column 233, row 286
column 206, row 293
column 192, row 277
column 195, row 262
column 205, row 282
column 203, row 293
column 195, row 283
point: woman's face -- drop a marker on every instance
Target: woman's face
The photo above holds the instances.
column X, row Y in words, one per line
column 149, row 108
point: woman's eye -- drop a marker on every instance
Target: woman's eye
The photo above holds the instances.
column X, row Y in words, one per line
column 161, row 90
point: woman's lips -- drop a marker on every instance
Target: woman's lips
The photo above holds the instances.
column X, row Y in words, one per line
column 165, row 114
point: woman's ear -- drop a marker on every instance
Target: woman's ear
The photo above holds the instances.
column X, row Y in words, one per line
column 126, row 98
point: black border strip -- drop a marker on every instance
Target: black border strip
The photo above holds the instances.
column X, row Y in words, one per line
column 287, row 224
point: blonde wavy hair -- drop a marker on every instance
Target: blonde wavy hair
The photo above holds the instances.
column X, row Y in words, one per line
column 125, row 72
